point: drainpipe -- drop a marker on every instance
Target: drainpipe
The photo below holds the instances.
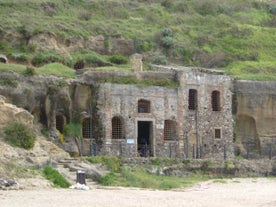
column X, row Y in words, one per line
column 91, row 130
column 197, row 139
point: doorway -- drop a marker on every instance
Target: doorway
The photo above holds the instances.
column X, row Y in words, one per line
column 144, row 139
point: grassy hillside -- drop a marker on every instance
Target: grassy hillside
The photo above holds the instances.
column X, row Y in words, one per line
column 233, row 35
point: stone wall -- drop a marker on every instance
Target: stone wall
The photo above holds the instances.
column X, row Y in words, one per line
column 194, row 128
column 255, row 111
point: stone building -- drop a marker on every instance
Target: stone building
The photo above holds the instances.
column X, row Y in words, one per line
column 192, row 120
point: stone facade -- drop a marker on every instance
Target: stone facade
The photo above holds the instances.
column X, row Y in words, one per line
column 190, row 120
column 160, row 119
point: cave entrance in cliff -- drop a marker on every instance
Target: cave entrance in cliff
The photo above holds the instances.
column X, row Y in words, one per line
column 247, row 133
column 60, row 122
column 144, row 138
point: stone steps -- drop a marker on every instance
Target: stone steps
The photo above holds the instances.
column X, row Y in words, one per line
column 70, row 166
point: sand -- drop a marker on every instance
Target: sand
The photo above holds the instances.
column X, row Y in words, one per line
column 251, row 192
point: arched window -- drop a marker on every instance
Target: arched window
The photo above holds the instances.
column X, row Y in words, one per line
column 86, row 128
column 143, row 106
column 216, row 101
column 192, row 99
column 60, row 123
column 117, row 128
column 170, row 130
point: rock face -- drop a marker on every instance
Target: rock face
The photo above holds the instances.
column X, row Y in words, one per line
column 10, row 113
column 193, row 119
column 255, row 115
column 42, row 152
column 99, row 44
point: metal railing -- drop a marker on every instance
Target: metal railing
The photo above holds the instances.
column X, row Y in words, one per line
column 172, row 150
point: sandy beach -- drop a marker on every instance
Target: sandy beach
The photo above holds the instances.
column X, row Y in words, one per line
column 249, row 192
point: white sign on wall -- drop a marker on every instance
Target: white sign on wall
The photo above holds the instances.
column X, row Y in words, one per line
column 160, row 126
column 130, row 141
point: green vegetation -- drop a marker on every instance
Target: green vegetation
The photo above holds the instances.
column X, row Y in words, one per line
column 113, row 163
column 13, row 169
column 144, row 82
column 140, row 177
column 55, row 177
column 73, row 130
column 233, row 35
column 56, row 69
column 19, row 135
column 9, row 82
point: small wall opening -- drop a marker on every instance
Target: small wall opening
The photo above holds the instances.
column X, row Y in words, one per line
column 216, row 101
column 217, row 133
column 117, row 128
column 192, row 99
column 87, row 128
column 60, row 122
column 143, row 106
column 170, row 130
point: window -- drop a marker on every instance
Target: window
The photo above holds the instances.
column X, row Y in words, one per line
column 192, row 99
column 170, row 130
column 215, row 101
column 86, row 128
column 60, row 123
column 117, row 128
column 143, row 106
column 217, row 133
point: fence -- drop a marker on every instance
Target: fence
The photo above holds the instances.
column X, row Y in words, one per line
column 172, row 150
column 251, row 151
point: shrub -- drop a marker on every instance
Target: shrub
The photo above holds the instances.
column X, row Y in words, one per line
column 73, row 130
column 47, row 57
column 166, row 32
column 112, row 163
column 118, row 59
column 19, row 135
column 54, row 176
column 167, row 3
column 167, row 42
column 94, row 60
column 30, row 71
column 205, row 8
column 108, row 179
column 9, row 82
column 272, row 9
column 85, row 15
column 142, row 45
column 19, row 57
column 159, row 59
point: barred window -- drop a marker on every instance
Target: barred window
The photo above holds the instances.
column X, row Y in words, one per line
column 216, row 101
column 170, row 130
column 143, row 106
column 117, row 128
column 192, row 99
column 60, row 123
column 217, row 133
column 86, row 128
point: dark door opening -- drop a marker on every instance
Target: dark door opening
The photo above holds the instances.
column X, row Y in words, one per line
column 144, row 138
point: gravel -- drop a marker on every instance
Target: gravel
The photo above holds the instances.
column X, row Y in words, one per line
column 246, row 192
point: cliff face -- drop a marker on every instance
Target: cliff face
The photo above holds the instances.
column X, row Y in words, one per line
column 255, row 113
column 53, row 102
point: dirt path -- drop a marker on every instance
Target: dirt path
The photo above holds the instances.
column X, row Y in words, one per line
column 258, row 192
